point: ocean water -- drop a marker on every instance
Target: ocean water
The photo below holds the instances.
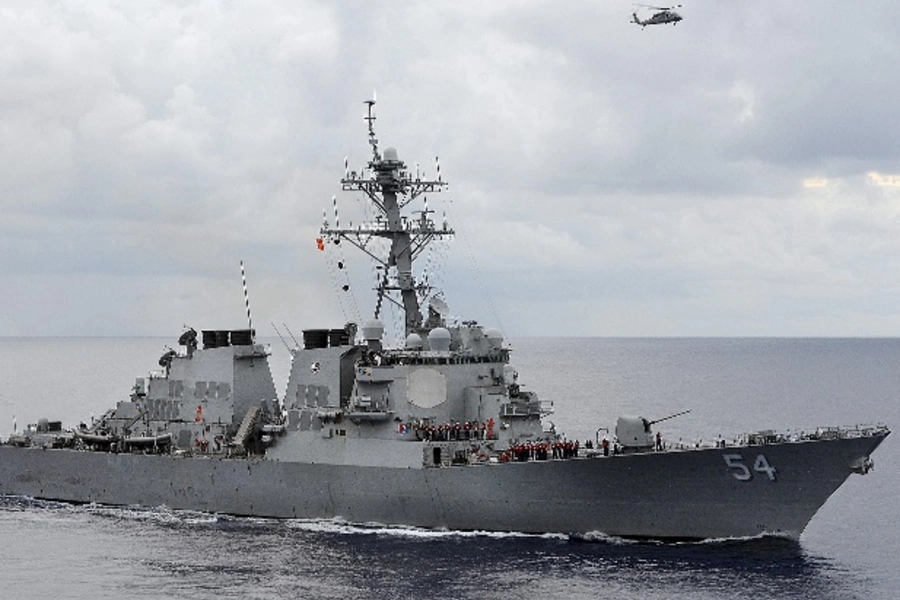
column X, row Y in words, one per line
column 731, row 386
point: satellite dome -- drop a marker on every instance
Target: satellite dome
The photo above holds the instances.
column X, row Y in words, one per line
column 439, row 339
column 390, row 154
column 414, row 341
column 372, row 330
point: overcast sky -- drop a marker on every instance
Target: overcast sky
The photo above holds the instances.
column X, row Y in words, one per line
column 734, row 175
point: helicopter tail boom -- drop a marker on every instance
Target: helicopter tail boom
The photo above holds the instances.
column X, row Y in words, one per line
column 637, row 21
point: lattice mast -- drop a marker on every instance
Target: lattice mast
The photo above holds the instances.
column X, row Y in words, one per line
column 390, row 188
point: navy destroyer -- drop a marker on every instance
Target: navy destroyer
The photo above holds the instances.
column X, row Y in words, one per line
column 436, row 432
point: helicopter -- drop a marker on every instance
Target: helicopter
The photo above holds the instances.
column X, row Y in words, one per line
column 665, row 15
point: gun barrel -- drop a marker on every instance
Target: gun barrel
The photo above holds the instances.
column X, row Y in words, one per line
column 684, row 412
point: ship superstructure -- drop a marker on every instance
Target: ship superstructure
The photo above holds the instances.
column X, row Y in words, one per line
column 437, row 432
column 449, row 389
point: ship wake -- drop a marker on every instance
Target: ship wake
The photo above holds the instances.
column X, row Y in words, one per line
column 168, row 517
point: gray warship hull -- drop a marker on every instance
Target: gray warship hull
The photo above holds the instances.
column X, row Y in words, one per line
column 697, row 493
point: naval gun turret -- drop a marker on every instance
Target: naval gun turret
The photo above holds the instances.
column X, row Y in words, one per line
column 636, row 433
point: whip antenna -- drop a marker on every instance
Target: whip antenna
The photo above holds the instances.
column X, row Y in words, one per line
column 291, row 334
column 246, row 298
column 280, row 336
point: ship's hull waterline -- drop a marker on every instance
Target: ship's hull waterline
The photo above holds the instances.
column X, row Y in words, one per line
column 690, row 494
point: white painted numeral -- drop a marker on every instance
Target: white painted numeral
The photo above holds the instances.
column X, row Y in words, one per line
column 762, row 466
column 735, row 461
column 742, row 473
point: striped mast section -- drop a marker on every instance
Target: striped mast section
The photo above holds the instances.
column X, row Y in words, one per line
column 246, row 298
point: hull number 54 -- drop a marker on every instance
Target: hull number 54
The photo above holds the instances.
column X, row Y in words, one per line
column 742, row 472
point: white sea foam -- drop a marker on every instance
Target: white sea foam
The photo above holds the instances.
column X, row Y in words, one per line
column 741, row 538
column 158, row 514
column 340, row 526
column 599, row 536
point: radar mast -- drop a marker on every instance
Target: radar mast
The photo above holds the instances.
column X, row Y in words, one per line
column 390, row 188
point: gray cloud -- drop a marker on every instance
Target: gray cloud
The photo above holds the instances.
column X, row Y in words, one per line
column 722, row 177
